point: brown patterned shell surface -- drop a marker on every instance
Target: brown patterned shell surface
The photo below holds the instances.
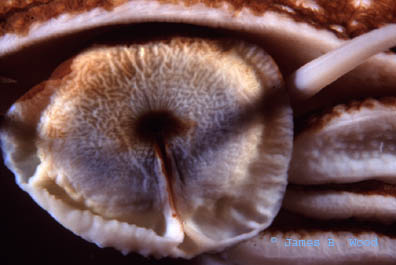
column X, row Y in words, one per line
column 345, row 18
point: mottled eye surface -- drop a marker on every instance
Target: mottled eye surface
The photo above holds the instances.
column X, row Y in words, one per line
column 167, row 148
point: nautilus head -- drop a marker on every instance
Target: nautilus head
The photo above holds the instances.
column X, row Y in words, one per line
column 178, row 128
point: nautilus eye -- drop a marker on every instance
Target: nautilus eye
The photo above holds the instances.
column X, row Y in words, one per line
column 166, row 147
column 174, row 146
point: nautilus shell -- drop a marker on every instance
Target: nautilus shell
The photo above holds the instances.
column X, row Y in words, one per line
column 190, row 129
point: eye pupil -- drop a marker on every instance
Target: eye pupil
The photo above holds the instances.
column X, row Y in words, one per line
column 159, row 125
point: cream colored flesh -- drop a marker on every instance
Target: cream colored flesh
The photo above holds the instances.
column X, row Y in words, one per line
column 179, row 196
column 315, row 75
column 341, row 205
column 351, row 143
